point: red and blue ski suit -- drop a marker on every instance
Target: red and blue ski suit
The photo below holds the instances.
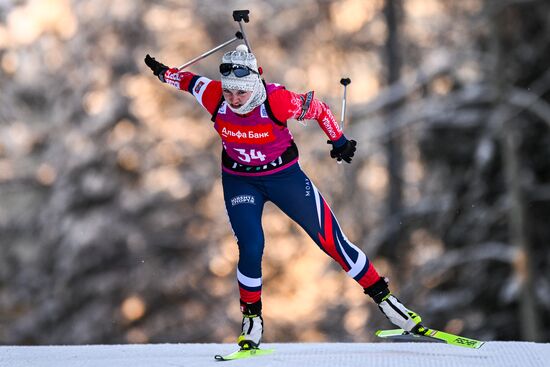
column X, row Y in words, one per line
column 259, row 164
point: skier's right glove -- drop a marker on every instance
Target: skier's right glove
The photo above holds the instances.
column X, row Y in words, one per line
column 343, row 152
column 158, row 68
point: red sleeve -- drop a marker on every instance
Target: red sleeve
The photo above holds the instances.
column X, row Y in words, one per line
column 207, row 92
column 289, row 105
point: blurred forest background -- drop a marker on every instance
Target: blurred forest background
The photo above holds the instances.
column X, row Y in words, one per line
column 112, row 224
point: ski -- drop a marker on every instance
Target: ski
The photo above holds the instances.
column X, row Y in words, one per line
column 430, row 335
column 244, row 353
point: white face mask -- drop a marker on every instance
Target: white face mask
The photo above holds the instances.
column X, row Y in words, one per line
column 250, row 83
column 257, row 97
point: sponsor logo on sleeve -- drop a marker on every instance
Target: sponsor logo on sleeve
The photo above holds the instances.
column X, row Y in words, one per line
column 173, row 83
column 198, row 86
column 328, row 123
column 176, row 76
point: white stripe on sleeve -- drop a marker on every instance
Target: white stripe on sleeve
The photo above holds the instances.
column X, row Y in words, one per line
column 200, row 87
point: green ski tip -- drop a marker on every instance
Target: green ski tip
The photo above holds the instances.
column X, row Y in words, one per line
column 244, row 353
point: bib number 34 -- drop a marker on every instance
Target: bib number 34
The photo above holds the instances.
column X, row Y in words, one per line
column 248, row 155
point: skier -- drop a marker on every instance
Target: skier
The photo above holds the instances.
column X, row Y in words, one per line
column 260, row 163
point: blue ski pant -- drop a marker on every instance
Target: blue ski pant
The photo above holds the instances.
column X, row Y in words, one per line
column 294, row 193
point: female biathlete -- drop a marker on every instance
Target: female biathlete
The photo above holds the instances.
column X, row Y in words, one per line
column 260, row 163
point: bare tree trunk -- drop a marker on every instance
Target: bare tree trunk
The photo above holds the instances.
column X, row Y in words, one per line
column 510, row 137
column 529, row 318
column 392, row 12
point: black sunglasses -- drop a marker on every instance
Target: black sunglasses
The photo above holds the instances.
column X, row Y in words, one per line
column 238, row 70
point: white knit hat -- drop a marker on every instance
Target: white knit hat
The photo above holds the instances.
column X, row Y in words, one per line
column 251, row 82
column 240, row 56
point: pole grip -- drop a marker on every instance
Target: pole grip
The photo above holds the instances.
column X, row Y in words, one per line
column 239, row 15
column 345, row 82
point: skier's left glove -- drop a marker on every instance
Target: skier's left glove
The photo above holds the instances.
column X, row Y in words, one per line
column 158, row 68
column 343, row 151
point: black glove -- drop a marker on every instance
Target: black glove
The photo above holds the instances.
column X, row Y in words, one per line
column 157, row 67
column 343, row 152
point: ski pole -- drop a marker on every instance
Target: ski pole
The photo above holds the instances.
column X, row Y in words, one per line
column 344, row 82
column 242, row 15
column 238, row 36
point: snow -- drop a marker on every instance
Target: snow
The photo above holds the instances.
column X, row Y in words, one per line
column 501, row 354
